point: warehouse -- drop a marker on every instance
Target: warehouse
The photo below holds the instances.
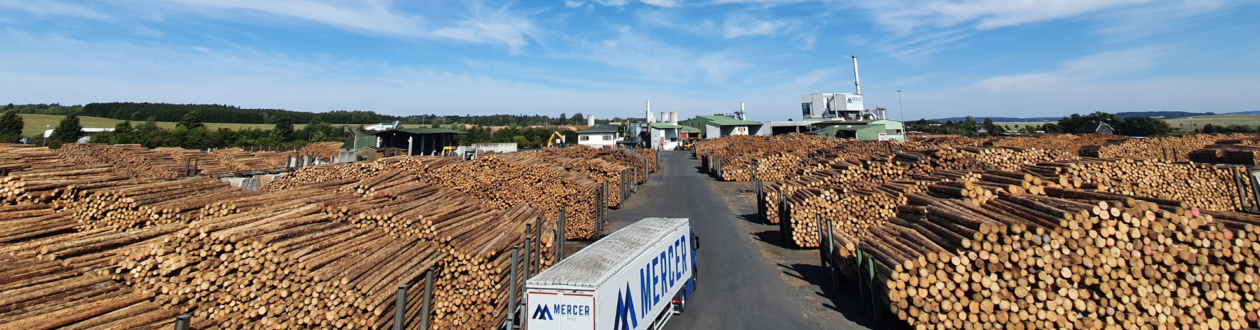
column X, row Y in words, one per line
column 418, row 141
column 712, row 127
column 874, row 130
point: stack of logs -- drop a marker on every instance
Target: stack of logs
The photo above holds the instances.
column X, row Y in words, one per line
column 322, row 150
column 595, row 169
column 46, row 185
column 237, row 160
column 127, row 159
column 1069, row 143
column 1065, row 260
column 142, row 205
column 1168, row 148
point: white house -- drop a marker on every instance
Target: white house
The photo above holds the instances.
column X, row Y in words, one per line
column 665, row 136
column 87, row 133
column 598, row 136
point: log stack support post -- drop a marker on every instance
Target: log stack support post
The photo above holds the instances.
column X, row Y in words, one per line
column 400, row 308
column 822, row 253
column 428, row 298
column 538, row 245
column 513, row 304
column 560, row 236
column 182, row 322
column 1255, row 185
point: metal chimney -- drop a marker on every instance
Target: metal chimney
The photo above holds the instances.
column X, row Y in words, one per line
column 590, row 120
column 649, row 112
column 857, row 80
column 742, row 115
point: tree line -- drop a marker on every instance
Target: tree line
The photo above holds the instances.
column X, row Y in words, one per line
column 1132, row 126
column 217, row 113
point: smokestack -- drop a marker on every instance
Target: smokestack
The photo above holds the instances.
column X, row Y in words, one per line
column 742, row 115
column 673, row 117
column 649, row 112
column 857, row 80
column 590, row 120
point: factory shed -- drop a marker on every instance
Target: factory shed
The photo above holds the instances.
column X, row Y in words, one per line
column 874, row 130
column 418, row 141
column 599, row 135
column 665, row 136
column 712, row 127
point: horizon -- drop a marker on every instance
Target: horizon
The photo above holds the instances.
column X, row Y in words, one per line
column 952, row 58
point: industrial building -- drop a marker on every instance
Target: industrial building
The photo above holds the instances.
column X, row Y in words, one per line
column 840, row 115
column 872, row 130
column 599, row 136
column 418, row 141
column 712, row 127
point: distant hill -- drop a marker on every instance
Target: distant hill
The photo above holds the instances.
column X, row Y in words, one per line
column 1162, row 114
column 1000, row 119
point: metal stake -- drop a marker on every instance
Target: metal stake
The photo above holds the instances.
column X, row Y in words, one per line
column 182, row 322
column 512, row 302
column 428, row 295
column 400, row 308
column 560, row 236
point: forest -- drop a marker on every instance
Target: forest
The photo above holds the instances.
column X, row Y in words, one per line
column 215, row 113
column 1131, row 126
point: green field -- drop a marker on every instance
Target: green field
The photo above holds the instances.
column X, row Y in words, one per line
column 1182, row 124
column 35, row 124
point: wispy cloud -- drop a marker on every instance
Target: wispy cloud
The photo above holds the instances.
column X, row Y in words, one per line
column 741, row 24
column 655, row 60
column 52, row 8
column 500, row 26
column 376, row 16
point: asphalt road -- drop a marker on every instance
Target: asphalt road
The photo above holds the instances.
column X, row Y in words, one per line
column 745, row 281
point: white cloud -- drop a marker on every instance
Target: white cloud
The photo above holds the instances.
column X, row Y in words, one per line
column 496, row 27
column 573, row 4
column 377, row 16
column 905, row 16
column 655, row 60
column 47, row 69
column 662, row 3
column 52, row 8
column 738, row 25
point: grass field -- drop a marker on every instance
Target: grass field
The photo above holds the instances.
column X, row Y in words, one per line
column 35, row 124
column 1182, row 124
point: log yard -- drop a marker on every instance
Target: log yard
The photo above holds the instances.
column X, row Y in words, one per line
column 1045, row 232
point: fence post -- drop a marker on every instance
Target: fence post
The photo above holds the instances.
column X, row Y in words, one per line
column 400, row 308
column 874, row 300
column 560, row 236
column 428, row 296
column 832, row 271
column 182, row 322
column 512, row 302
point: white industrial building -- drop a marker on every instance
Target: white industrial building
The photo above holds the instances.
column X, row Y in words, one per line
column 664, row 134
column 599, row 136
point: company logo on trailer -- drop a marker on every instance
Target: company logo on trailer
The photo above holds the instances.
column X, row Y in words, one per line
column 542, row 313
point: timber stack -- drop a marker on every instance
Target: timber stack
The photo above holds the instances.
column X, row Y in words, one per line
column 503, row 184
column 237, row 160
column 51, row 184
column 127, row 159
column 134, row 206
column 1166, row 148
column 327, row 151
column 1068, row 143
column 594, row 169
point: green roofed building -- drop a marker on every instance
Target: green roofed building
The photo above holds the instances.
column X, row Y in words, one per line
column 418, row 141
column 872, row 130
column 712, row 127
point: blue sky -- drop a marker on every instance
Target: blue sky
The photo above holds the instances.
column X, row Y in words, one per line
column 1015, row 58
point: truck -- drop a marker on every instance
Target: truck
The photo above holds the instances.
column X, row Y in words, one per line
column 636, row 278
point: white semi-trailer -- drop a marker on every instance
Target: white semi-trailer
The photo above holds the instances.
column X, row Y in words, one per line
column 636, row 278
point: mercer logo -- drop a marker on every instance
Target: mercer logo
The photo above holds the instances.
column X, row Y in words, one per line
column 542, row 313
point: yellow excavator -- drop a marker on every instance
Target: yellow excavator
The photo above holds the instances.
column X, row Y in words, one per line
column 450, row 151
column 552, row 140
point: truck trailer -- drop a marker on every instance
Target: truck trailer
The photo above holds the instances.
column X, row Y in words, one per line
column 635, row 278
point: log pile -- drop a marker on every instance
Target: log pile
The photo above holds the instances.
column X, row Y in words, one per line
column 237, row 160
column 20, row 223
column 46, row 185
column 503, row 184
column 738, row 154
column 1069, row 143
column 127, row 159
column 617, row 156
column 16, row 157
column 1072, row 261
column 135, row 206
column 1217, row 188
column 322, row 150
column 340, row 174
column 594, row 169
column 204, row 164
column 650, row 155
column 1166, row 148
